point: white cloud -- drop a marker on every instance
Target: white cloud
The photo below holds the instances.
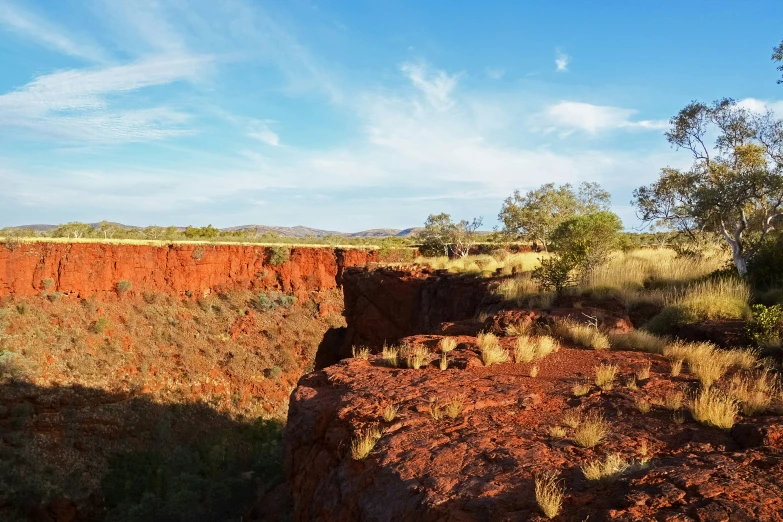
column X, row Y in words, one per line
column 494, row 73
column 45, row 33
column 260, row 131
column 596, row 118
column 437, row 85
column 757, row 105
column 562, row 60
column 75, row 105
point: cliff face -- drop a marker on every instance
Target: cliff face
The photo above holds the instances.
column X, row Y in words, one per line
column 84, row 269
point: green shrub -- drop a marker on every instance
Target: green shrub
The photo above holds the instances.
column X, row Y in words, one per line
column 278, row 255
column 124, row 286
column 47, row 283
column 100, row 325
column 274, row 372
column 272, row 301
column 587, row 240
column 765, row 325
column 198, row 254
column 555, row 273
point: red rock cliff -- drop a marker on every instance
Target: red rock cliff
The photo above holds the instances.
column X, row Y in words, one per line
column 84, row 269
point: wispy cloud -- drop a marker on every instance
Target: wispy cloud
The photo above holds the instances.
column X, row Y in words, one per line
column 436, row 85
column 760, row 106
column 45, row 33
column 562, row 60
column 76, row 105
column 260, row 131
column 494, row 73
column 596, row 118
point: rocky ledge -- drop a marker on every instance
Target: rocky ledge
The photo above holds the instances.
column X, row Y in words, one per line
column 482, row 464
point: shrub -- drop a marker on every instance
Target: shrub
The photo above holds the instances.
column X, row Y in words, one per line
column 47, row 283
column 764, row 327
column 274, row 300
column 637, row 340
column 491, row 351
column 100, row 325
column 549, row 494
column 274, row 372
column 124, row 286
column 591, row 431
column 364, row 442
column 278, row 255
column 581, row 335
column 715, row 408
column 198, row 254
column 608, row 469
column 587, row 240
column 555, row 274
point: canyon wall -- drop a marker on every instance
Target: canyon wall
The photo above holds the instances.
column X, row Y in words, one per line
column 85, row 269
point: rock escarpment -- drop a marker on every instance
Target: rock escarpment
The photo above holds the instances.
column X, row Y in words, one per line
column 85, row 269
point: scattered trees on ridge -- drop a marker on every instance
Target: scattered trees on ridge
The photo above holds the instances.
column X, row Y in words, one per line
column 534, row 216
column 441, row 234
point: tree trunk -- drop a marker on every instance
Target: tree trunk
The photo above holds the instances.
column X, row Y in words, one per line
column 741, row 264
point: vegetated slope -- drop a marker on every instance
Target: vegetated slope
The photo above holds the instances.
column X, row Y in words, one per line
column 149, row 408
column 146, row 383
column 373, row 439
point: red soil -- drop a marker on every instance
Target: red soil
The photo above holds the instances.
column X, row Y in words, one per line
column 85, row 269
column 481, row 466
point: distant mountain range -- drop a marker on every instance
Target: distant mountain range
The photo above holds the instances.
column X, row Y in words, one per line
column 298, row 231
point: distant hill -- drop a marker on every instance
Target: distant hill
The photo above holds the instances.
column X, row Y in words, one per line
column 297, row 231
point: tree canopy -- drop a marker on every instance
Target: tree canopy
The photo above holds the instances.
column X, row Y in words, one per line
column 441, row 234
column 535, row 215
column 733, row 188
column 777, row 56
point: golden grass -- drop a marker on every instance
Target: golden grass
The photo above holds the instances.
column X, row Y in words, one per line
column 706, row 362
column 453, row 408
column 364, row 442
column 714, row 408
column 676, row 368
column 572, row 418
column 642, row 371
column 610, row 468
column 360, row 353
column 528, row 348
column 557, row 432
column 549, row 493
column 715, row 299
column 581, row 389
column 708, row 370
column 436, row 412
column 444, row 361
column 673, row 400
column 484, row 264
column 524, row 291
column 491, row 351
column 643, row 406
column 581, row 335
column 447, row 344
column 390, row 355
column 754, row 393
column 415, row 356
column 591, row 431
column 390, row 411
column 605, row 375
column 631, row 383
column 533, row 371
column 637, row 340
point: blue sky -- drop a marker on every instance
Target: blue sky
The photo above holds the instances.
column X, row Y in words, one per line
column 352, row 115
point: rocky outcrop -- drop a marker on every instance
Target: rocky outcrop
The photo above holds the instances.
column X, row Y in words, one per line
column 384, row 305
column 482, row 464
column 85, row 269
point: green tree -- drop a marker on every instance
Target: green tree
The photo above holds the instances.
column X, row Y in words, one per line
column 734, row 189
column 533, row 216
column 441, row 233
column 588, row 240
column 108, row 230
column 74, row 229
column 777, row 56
column 154, row 232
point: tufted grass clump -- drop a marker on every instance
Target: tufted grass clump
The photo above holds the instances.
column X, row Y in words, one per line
column 447, row 344
column 415, row 356
column 642, row 371
column 364, row 442
column 444, row 361
column 581, row 335
column 676, row 367
column 608, row 469
column 673, row 400
column 390, row 355
column 581, row 389
column 491, row 351
column 715, row 408
column 557, row 432
column 637, row 340
column 549, row 493
column 605, row 375
column 360, row 352
column 572, row 418
column 754, row 393
column 591, row 431
column 390, row 411
column 643, row 406
column 124, row 286
column 708, row 363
